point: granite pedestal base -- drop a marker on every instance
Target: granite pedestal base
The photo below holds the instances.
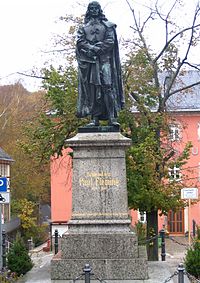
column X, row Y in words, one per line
column 112, row 255
column 117, row 269
column 99, row 232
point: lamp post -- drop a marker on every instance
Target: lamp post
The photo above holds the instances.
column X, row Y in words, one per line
column 0, row 238
column 2, row 199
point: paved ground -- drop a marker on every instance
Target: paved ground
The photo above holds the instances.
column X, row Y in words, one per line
column 159, row 272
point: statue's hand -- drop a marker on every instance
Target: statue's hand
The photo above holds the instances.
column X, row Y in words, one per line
column 96, row 49
column 99, row 44
column 90, row 54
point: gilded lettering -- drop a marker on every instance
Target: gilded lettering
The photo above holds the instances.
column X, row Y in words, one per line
column 94, row 180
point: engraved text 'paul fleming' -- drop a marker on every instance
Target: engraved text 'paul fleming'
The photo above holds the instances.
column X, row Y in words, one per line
column 94, row 180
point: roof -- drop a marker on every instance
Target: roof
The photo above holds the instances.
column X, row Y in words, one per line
column 188, row 100
column 185, row 101
column 4, row 156
column 12, row 225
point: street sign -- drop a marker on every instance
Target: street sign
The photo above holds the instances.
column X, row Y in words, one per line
column 189, row 193
column 4, row 197
column 3, row 184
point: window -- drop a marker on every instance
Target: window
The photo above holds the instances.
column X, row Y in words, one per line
column 142, row 216
column 198, row 131
column 199, row 172
column 174, row 173
column 4, row 170
column 174, row 133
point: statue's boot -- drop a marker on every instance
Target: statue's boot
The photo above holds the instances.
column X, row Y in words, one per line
column 113, row 122
column 94, row 122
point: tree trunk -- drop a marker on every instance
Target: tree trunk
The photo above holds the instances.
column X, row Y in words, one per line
column 152, row 230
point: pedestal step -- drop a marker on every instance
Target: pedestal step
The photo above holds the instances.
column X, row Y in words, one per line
column 99, row 246
column 117, row 269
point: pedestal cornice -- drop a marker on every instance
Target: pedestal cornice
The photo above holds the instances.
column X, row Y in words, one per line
column 99, row 140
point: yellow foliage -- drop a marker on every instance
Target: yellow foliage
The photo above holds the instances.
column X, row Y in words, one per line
column 26, row 214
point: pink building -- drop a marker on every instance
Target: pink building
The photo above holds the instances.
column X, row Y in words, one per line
column 61, row 191
column 185, row 127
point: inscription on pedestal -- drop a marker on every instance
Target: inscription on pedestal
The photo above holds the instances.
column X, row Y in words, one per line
column 95, row 180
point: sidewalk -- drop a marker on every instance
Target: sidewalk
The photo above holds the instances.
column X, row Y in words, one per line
column 159, row 271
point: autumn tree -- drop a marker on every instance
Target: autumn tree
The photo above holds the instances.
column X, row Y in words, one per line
column 47, row 135
column 18, row 108
column 153, row 79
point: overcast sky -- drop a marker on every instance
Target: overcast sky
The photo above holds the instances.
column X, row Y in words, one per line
column 27, row 27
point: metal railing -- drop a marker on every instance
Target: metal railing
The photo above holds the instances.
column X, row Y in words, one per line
column 181, row 273
column 87, row 274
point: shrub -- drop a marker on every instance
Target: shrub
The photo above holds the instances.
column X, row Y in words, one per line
column 192, row 259
column 18, row 258
column 8, row 276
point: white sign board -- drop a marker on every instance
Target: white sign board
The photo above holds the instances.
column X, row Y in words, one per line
column 5, row 197
column 189, row 193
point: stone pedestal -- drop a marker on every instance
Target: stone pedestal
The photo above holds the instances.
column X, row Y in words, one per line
column 99, row 232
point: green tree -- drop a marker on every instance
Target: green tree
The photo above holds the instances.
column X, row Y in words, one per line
column 18, row 258
column 46, row 135
column 192, row 259
column 151, row 79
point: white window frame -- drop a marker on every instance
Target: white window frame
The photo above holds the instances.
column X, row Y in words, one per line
column 142, row 216
column 199, row 172
column 174, row 173
column 174, row 132
column 4, row 169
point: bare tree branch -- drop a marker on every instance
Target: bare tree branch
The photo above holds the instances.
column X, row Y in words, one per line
column 3, row 112
column 197, row 67
column 55, row 50
column 183, row 88
column 139, row 31
column 146, row 21
column 33, row 76
column 166, row 19
column 182, row 62
column 172, row 39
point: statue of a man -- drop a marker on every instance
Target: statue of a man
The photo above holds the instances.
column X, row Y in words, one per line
column 100, row 93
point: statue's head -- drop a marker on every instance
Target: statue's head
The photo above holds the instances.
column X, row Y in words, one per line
column 94, row 11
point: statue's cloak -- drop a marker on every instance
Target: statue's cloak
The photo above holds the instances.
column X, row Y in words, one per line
column 89, row 79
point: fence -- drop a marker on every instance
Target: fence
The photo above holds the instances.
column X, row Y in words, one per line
column 87, row 274
column 180, row 273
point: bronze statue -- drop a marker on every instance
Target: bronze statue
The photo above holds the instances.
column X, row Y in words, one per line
column 100, row 93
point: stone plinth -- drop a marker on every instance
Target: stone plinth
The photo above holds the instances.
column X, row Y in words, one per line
column 99, row 176
column 107, row 269
column 99, row 232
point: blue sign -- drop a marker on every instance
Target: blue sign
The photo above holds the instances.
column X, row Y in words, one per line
column 3, row 184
